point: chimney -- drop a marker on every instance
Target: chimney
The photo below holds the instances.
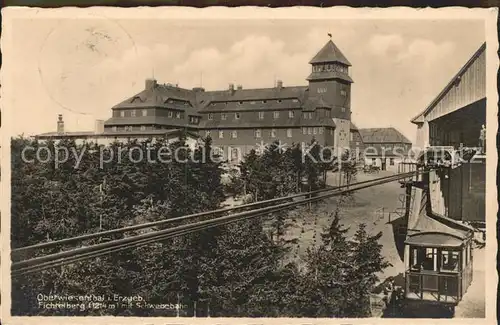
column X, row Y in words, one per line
column 99, row 126
column 231, row 88
column 279, row 84
column 150, row 84
column 240, row 87
column 60, row 124
column 198, row 89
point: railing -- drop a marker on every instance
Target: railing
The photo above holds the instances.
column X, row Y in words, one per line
column 437, row 287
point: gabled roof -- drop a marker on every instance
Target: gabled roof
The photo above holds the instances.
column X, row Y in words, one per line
column 330, row 53
column 383, row 135
column 420, row 117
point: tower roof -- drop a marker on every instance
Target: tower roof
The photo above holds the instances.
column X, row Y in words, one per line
column 330, row 53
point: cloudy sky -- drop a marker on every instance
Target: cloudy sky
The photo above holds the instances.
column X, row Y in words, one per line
column 81, row 68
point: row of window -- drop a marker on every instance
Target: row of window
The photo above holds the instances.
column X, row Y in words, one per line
column 253, row 102
column 273, row 132
column 329, row 67
column 133, row 113
column 276, row 115
column 130, row 128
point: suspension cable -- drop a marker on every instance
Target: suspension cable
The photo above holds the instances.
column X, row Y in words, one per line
column 16, row 253
column 66, row 257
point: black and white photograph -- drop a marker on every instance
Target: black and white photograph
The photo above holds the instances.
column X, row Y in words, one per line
column 301, row 163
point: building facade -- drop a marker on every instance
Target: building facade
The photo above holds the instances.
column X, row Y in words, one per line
column 237, row 118
column 456, row 118
column 384, row 147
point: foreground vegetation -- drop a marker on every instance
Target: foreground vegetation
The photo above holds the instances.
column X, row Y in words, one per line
column 233, row 270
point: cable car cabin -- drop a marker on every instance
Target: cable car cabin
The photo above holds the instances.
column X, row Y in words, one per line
column 439, row 263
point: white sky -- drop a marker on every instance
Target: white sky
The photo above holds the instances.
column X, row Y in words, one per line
column 87, row 66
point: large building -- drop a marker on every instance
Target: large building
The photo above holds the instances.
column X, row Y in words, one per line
column 237, row 118
column 385, row 147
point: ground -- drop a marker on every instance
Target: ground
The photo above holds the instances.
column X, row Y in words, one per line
column 473, row 302
column 375, row 206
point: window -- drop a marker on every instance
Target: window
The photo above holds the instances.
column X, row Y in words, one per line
column 315, row 130
column 304, row 131
column 170, row 114
column 327, row 113
column 221, row 134
column 343, row 109
column 132, row 113
column 210, row 116
column 261, row 115
column 276, row 115
column 129, row 128
column 309, row 131
column 257, row 133
column 374, row 160
column 331, row 131
column 321, row 130
column 273, row 133
column 122, row 113
column 391, row 161
column 295, row 100
column 310, row 115
column 223, row 116
column 264, row 101
column 143, row 128
column 252, row 102
column 178, row 115
column 351, row 136
column 114, row 128
column 234, row 134
column 450, row 260
column 291, row 114
column 430, row 262
column 207, row 133
column 321, row 90
column 236, row 116
column 279, row 100
column 289, row 133
column 343, row 92
column 144, row 112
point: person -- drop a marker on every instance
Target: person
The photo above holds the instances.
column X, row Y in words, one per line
column 482, row 139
